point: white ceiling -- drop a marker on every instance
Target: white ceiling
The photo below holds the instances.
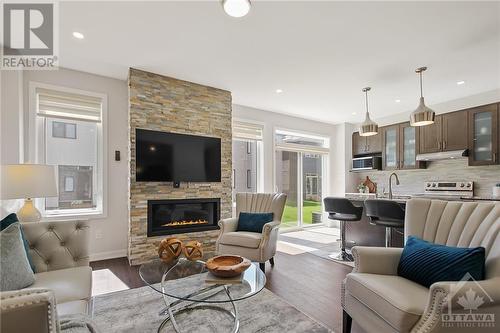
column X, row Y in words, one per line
column 321, row 54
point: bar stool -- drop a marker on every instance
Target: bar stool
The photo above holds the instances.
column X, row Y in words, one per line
column 343, row 210
column 385, row 213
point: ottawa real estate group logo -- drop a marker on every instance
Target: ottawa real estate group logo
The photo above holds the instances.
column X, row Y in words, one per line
column 467, row 306
column 30, row 36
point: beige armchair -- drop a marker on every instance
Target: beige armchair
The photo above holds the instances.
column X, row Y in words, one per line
column 379, row 300
column 60, row 254
column 258, row 247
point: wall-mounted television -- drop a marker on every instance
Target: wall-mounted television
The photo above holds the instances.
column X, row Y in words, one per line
column 173, row 157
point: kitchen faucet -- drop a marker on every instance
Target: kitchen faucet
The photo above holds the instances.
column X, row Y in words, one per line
column 390, row 183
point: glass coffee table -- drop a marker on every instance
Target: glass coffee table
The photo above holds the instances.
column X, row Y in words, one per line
column 183, row 287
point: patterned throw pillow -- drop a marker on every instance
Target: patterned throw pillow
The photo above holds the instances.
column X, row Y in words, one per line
column 15, row 270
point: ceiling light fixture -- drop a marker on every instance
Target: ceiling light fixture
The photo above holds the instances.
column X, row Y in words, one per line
column 423, row 115
column 236, row 8
column 279, row 91
column 397, row 101
column 368, row 127
column 354, row 113
column 459, row 83
column 78, row 35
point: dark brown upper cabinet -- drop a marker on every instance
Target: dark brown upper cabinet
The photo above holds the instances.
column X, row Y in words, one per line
column 400, row 147
column 431, row 137
column 366, row 144
column 454, row 131
column 483, row 135
column 449, row 132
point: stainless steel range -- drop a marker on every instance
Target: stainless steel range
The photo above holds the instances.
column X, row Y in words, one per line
column 451, row 190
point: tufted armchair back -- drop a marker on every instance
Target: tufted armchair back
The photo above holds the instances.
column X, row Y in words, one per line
column 454, row 223
column 58, row 245
column 261, row 203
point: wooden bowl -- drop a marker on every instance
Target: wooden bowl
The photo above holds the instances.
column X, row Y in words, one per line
column 227, row 266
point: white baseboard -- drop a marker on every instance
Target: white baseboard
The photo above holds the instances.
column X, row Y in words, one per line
column 108, row 255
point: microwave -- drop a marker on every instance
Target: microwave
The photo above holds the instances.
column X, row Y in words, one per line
column 367, row 163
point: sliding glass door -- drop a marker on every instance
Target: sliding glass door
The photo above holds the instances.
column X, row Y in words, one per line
column 300, row 174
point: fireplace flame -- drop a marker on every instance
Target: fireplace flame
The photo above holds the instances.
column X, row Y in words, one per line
column 184, row 223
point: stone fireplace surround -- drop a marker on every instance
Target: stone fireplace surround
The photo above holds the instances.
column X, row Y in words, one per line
column 162, row 103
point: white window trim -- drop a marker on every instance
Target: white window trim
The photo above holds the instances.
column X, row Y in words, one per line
column 260, row 149
column 36, row 156
column 325, row 158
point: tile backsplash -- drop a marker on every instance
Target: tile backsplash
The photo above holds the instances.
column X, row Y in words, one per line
column 412, row 181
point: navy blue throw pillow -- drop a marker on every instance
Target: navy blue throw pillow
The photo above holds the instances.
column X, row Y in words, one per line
column 10, row 219
column 253, row 222
column 425, row 262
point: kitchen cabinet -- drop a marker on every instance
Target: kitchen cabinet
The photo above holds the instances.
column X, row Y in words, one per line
column 483, row 135
column 400, row 147
column 449, row 132
column 431, row 137
column 362, row 145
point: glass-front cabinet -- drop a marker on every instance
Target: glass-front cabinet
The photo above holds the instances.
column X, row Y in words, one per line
column 400, row 147
column 408, row 146
column 483, row 135
column 390, row 156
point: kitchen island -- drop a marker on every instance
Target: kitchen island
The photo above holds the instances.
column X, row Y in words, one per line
column 363, row 233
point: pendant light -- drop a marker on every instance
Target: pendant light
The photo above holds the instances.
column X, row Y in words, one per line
column 423, row 115
column 368, row 127
column 236, row 8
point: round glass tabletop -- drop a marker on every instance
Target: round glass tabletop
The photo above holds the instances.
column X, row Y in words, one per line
column 186, row 280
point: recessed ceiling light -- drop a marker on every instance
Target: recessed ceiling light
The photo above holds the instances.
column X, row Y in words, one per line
column 78, row 35
column 354, row 113
column 279, row 91
column 397, row 101
column 459, row 83
column 236, row 8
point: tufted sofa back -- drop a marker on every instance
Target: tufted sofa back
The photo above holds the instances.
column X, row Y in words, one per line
column 261, row 203
column 58, row 245
column 455, row 223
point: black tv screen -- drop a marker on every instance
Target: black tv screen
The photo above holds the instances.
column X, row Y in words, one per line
column 172, row 157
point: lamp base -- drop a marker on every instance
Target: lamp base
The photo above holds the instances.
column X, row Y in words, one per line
column 29, row 213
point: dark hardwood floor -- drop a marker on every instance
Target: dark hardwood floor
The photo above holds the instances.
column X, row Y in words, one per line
column 309, row 283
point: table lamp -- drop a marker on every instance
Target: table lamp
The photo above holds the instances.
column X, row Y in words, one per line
column 28, row 181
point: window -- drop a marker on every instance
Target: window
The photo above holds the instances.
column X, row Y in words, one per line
column 63, row 130
column 300, row 173
column 247, row 148
column 69, row 134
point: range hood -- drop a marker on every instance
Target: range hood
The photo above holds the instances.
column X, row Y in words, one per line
column 443, row 155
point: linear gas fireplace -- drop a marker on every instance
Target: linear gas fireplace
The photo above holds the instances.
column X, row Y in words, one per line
column 166, row 217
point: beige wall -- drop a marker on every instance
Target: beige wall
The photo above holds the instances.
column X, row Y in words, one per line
column 109, row 234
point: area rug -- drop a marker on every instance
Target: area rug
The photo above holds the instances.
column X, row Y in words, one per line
column 137, row 310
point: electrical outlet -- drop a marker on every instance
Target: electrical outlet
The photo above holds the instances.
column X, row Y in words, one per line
column 98, row 234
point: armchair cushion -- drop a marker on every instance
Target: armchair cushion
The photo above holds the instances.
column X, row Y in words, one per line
column 399, row 301
column 15, row 270
column 241, row 238
column 71, row 284
column 253, row 222
column 426, row 263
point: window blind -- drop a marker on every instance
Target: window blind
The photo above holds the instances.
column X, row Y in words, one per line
column 60, row 104
column 247, row 131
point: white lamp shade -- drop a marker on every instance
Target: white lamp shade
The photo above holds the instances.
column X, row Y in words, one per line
column 28, row 181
